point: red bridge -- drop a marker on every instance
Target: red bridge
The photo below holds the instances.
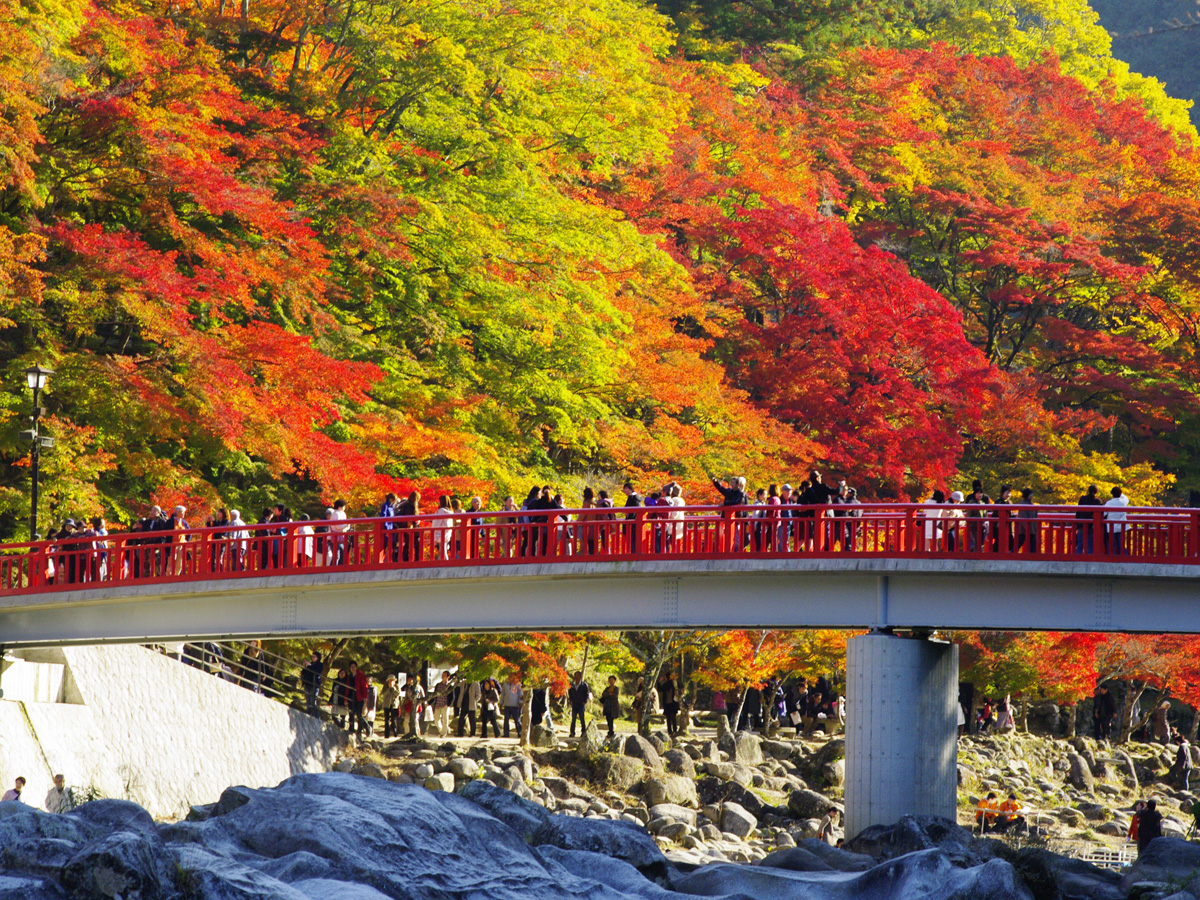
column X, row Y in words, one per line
column 881, row 565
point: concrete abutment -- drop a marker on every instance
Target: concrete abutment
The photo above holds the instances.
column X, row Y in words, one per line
column 901, row 729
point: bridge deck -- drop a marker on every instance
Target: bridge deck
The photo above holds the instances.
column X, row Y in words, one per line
column 894, row 566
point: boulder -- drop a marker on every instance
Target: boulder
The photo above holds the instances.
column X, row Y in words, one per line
column 463, row 768
column 837, row 858
column 1079, row 774
column 736, row 820
column 678, row 762
column 709, row 752
column 590, row 741
column 1052, row 877
column 443, row 781
column 1165, row 859
column 916, row 833
column 619, row 772
column 536, row 826
column 674, row 813
column 742, row 747
column 796, row 859
column 722, row 726
column 639, row 747
column 344, row 765
column 930, row 875
column 777, row 749
column 806, row 804
column 670, row 789
column 834, row 748
column 673, row 831
column 120, row 864
column 834, row 773
column 541, row 736
column 368, row 770
column 713, row 790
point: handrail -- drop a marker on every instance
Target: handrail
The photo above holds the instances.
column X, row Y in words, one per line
column 500, row 538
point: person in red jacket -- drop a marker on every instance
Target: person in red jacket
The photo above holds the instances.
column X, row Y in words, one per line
column 361, row 689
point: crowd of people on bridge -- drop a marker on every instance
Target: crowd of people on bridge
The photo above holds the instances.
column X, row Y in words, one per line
column 774, row 519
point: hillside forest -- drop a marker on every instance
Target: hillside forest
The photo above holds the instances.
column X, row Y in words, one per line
column 282, row 250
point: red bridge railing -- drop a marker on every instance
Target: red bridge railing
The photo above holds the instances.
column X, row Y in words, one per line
column 889, row 530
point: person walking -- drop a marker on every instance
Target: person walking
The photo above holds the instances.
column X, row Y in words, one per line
column 389, row 700
column 14, row 793
column 489, row 701
column 1085, row 538
column 1114, row 524
column 310, row 679
column 1183, row 762
column 578, row 694
column 511, row 697
column 60, row 798
column 1149, row 825
column 610, row 702
column 466, row 700
column 441, row 705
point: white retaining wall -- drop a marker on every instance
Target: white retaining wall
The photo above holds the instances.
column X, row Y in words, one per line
column 144, row 727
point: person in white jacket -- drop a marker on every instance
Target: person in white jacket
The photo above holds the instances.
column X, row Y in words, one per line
column 1114, row 522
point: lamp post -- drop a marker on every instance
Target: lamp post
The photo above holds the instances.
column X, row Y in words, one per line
column 36, row 377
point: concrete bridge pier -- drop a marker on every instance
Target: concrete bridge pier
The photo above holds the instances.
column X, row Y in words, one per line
column 901, row 729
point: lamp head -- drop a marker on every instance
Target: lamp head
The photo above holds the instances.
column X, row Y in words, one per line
column 36, row 377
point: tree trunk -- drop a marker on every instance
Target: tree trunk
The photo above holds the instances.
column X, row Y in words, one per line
column 1071, row 719
column 1024, row 715
column 737, row 713
column 527, row 714
column 1195, row 724
column 653, row 667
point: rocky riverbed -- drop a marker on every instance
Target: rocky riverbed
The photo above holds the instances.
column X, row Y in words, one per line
column 339, row 836
column 733, row 816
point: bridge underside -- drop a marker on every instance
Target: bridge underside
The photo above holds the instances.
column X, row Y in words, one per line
column 712, row 594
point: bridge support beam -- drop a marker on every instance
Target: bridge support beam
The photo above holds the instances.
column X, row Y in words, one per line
column 901, row 729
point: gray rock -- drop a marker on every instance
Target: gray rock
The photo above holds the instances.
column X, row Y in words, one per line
column 915, row 833
column 123, row 863
column 443, row 781
column 590, row 741
column 20, row 887
column 1080, row 774
column 620, row 772
column 834, row 773
column 1165, row 859
column 806, row 804
column 368, row 770
column 541, row 736
column 796, row 859
column 344, row 765
column 742, row 747
column 836, row 858
column 736, row 820
column 535, row 826
column 834, row 748
column 423, row 771
column 639, row 747
column 1053, row 877
column 670, row 789
column 674, row 813
column 463, row 768
column 674, row 831
column 709, row 752
column 713, row 790
column 777, row 749
column 722, row 726
column 678, row 762
column 930, row 875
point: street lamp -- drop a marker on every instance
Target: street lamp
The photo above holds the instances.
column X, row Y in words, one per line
column 36, row 377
